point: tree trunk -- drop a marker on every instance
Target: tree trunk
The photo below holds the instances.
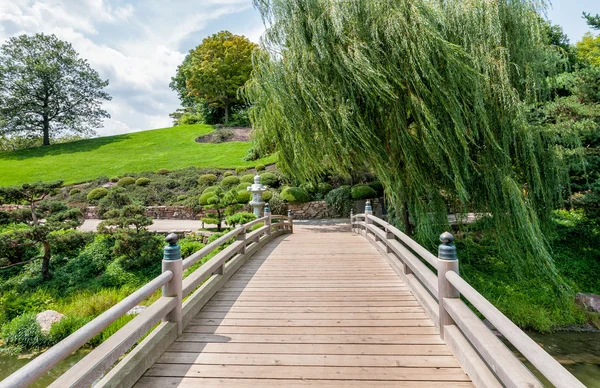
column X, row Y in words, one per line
column 46, row 260
column 407, row 226
column 46, row 130
column 33, row 216
column 226, row 113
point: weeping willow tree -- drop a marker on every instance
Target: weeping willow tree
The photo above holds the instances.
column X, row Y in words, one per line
column 430, row 94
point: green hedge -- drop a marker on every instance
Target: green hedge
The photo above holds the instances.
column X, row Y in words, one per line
column 210, row 189
column 162, row 171
column 340, row 200
column 230, row 181
column 97, row 193
column 248, row 178
column 260, row 167
column 267, row 195
column 227, row 173
column 74, row 191
column 295, row 195
column 269, row 179
column 207, row 179
column 143, row 182
column 243, row 186
column 363, row 192
column 241, row 170
column 205, row 197
column 126, row 181
column 244, row 196
column 378, row 187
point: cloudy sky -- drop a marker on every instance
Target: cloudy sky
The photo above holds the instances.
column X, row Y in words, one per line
column 137, row 44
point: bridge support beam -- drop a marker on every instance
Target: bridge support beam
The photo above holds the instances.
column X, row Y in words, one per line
column 447, row 261
column 172, row 262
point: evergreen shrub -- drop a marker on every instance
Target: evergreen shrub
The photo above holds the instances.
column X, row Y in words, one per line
column 295, row 195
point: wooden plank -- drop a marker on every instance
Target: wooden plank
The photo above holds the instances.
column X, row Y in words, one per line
column 309, row 315
column 311, row 330
column 346, row 290
column 308, row 372
column 192, row 382
column 408, row 301
column 240, row 308
column 404, row 339
column 242, row 348
column 306, row 322
column 309, row 360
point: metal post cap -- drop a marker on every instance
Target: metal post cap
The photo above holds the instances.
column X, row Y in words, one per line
column 447, row 249
column 267, row 208
column 172, row 251
column 368, row 206
column 289, row 213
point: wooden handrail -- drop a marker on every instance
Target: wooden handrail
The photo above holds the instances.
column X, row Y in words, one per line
column 504, row 364
column 97, row 362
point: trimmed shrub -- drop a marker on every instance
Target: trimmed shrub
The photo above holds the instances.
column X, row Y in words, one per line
column 210, row 189
column 267, row 195
column 324, row 188
column 24, row 331
column 340, row 200
column 248, row 178
column 241, row 170
column 295, row 195
column 204, row 197
column 65, row 327
column 243, row 186
column 240, row 218
column 74, row 191
column 227, row 173
column 126, row 181
column 143, row 182
column 260, row 167
column 97, row 194
column 230, row 181
column 277, row 205
column 363, row 192
column 114, row 179
column 162, row 171
column 378, row 187
column 269, row 179
column 244, row 196
column 207, row 179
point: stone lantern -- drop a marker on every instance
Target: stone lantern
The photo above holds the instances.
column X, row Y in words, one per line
column 257, row 189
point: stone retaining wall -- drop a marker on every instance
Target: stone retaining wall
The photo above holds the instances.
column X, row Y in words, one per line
column 318, row 209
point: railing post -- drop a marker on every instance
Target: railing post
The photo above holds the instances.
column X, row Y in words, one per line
column 291, row 221
column 368, row 212
column 172, row 262
column 268, row 220
column 352, row 220
column 241, row 237
column 447, row 261
column 388, row 236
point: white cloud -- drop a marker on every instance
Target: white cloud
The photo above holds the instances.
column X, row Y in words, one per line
column 136, row 48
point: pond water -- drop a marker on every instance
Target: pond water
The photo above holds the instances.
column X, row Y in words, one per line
column 579, row 352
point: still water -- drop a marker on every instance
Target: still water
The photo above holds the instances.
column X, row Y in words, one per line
column 578, row 352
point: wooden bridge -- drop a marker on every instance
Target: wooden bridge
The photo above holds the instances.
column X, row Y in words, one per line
column 305, row 306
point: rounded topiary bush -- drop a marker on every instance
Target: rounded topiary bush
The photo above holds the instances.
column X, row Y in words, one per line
column 126, row 181
column 269, row 179
column 207, row 179
column 378, row 187
column 230, row 181
column 227, row 173
column 97, row 194
column 205, row 197
column 340, row 200
column 324, row 188
column 260, row 167
column 363, row 192
column 210, row 189
column 114, row 179
column 267, row 195
column 74, row 191
column 295, row 195
column 243, row 186
column 244, row 196
column 143, row 182
column 241, row 170
column 248, row 178
column 162, row 171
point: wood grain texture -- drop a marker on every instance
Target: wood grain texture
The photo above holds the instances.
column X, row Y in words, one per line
column 311, row 309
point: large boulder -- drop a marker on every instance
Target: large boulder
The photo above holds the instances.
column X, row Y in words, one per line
column 590, row 302
column 47, row 318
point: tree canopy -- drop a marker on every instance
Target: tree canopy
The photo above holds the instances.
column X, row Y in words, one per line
column 46, row 89
column 430, row 95
column 214, row 71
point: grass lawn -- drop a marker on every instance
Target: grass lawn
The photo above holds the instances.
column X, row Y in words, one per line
column 79, row 161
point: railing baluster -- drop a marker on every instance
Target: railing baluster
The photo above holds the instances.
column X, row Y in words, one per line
column 172, row 262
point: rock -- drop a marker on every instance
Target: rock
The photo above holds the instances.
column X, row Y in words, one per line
column 47, row 318
column 136, row 310
column 590, row 302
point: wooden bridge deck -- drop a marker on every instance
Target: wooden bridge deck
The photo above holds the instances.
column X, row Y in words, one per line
column 320, row 307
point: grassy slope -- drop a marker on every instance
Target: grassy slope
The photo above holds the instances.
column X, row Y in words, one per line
column 170, row 148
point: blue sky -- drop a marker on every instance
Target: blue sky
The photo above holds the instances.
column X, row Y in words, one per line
column 137, row 44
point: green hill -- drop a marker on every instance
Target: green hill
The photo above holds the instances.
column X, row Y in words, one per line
column 83, row 160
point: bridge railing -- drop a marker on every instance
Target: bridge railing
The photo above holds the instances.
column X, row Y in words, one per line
column 175, row 313
column 436, row 283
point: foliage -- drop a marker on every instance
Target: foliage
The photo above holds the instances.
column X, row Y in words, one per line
column 116, row 199
column 269, row 179
column 221, row 135
column 295, row 195
column 216, row 69
column 588, row 49
column 74, row 191
column 222, row 203
column 142, row 182
column 85, row 160
column 340, row 200
column 65, row 327
column 227, row 173
column 96, row 194
column 230, row 181
column 244, row 196
column 253, row 153
column 204, row 197
column 162, row 171
column 453, row 125
column 240, row 170
column 24, row 331
column 592, row 20
column 378, row 187
column 239, row 218
column 189, row 115
column 210, row 189
column 126, row 181
column 363, row 192
column 189, row 246
column 68, row 242
column 259, row 167
column 278, row 206
column 248, row 178
column 207, row 179
column 267, row 195
column 46, row 88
